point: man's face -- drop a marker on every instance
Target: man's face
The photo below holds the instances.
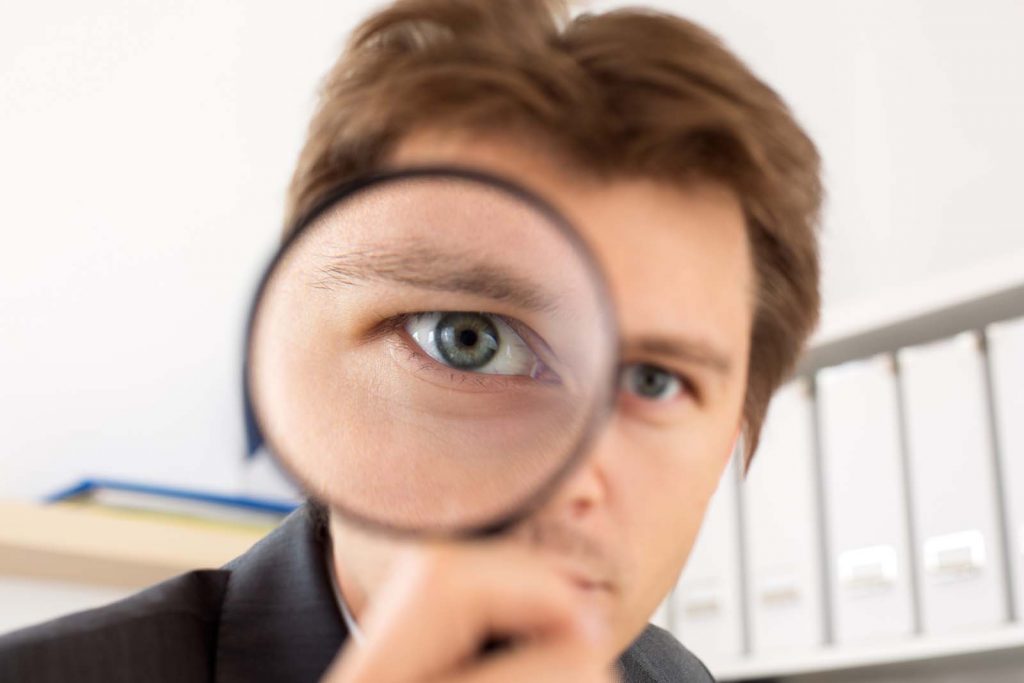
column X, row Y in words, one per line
column 679, row 267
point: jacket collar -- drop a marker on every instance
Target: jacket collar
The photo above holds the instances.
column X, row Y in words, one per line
column 279, row 620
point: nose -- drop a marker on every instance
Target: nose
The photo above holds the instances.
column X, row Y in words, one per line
column 586, row 487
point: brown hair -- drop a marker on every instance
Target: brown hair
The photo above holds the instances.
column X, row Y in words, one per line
column 627, row 92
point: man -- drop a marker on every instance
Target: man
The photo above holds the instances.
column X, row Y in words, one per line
column 699, row 194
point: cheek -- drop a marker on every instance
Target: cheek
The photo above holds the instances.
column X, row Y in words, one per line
column 665, row 483
column 676, row 466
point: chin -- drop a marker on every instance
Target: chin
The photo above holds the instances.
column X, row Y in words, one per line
column 625, row 629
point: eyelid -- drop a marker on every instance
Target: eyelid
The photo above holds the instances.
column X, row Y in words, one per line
column 386, row 325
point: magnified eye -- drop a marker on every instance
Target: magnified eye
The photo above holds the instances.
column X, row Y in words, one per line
column 651, row 382
column 473, row 342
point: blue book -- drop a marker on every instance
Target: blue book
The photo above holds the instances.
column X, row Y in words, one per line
column 171, row 502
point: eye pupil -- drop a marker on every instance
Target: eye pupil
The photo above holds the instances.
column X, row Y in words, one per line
column 650, row 381
column 466, row 340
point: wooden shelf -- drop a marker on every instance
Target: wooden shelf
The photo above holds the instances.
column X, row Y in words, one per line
column 92, row 546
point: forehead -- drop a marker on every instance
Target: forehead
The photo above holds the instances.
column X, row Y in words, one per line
column 677, row 258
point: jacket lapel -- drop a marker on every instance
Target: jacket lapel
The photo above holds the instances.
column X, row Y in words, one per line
column 279, row 620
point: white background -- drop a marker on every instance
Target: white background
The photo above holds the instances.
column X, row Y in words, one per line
column 145, row 148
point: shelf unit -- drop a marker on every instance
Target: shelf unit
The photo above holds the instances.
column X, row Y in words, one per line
column 967, row 300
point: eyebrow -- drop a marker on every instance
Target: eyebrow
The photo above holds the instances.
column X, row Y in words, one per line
column 436, row 270
column 693, row 351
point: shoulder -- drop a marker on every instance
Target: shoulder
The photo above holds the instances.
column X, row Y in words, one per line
column 237, row 622
column 165, row 632
column 657, row 657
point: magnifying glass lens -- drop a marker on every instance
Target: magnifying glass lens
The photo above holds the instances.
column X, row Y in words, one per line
column 431, row 352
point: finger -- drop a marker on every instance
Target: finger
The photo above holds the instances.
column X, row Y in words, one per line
column 442, row 602
column 537, row 664
column 561, row 663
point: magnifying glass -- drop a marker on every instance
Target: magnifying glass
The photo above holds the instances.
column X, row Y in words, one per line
column 431, row 352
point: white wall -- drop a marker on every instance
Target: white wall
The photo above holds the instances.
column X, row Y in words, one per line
column 916, row 106
column 145, row 148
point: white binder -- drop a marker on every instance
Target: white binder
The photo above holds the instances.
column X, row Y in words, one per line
column 865, row 502
column 954, row 509
column 1006, row 355
column 706, row 608
column 781, row 520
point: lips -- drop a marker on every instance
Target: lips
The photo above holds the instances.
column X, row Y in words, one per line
column 589, row 585
column 578, row 557
column 587, row 580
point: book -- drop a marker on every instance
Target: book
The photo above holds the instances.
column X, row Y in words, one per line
column 178, row 504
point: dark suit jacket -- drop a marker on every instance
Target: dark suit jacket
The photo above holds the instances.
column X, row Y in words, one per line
column 269, row 615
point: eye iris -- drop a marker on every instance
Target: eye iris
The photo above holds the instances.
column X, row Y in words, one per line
column 650, row 381
column 466, row 340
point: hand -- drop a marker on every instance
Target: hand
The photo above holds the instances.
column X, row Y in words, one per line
column 442, row 604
